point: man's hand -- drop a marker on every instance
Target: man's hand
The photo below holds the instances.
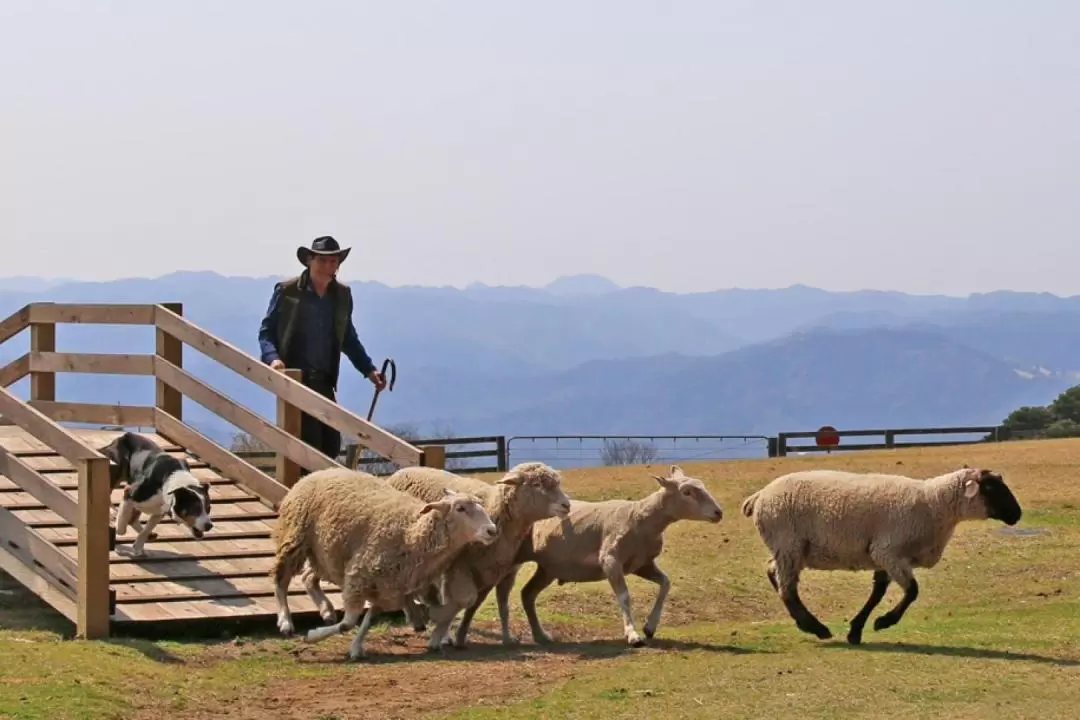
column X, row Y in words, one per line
column 377, row 379
column 277, row 364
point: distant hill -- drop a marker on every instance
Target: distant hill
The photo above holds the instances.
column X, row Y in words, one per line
column 583, row 355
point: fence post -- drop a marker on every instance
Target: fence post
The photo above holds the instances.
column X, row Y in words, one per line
column 42, row 339
column 501, row 461
column 169, row 399
column 434, row 456
column 289, row 418
column 772, row 446
column 781, row 445
column 890, row 439
column 94, row 595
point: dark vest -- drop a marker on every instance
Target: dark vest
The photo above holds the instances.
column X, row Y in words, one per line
column 291, row 292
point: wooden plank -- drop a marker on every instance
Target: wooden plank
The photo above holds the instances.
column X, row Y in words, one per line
column 101, row 438
column 169, row 399
column 227, row 464
column 15, row 371
column 69, row 479
column 25, row 477
column 35, row 423
column 36, row 552
column 290, row 420
column 201, row 589
column 92, row 363
column 42, row 339
column 91, row 313
column 38, row 582
column 351, row 425
column 172, row 532
column 14, row 324
column 93, row 549
column 122, row 415
column 191, row 569
column 226, row 609
column 24, row 504
column 57, row 465
column 238, row 415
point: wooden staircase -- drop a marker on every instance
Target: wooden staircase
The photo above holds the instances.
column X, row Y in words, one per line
column 56, row 508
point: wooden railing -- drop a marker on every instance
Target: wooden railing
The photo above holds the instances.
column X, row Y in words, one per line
column 41, row 414
column 268, row 460
column 780, row 445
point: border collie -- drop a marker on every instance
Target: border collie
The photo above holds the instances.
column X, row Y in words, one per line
column 158, row 484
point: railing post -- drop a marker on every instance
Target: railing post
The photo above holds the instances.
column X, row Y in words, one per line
column 890, row 439
column 500, row 454
column 434, row 456
column 169, row 399
column 93, row 592
column 772, row 446
column 289, row 419
column 43, row 339
column 781, row 445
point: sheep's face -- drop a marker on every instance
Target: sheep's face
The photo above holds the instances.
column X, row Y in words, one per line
column 537, row 490
column 987, row 489
column 466, row 516
column 687, row 497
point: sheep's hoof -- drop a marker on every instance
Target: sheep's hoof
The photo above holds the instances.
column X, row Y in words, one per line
column 511, row 640
column 635, row 640
column 285, row 627
column 854, row 638
column 350, row 657
column 649, row 632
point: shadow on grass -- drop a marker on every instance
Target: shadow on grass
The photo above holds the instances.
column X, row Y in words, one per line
column 147, row 649
column 605, row 649
column 957, row 651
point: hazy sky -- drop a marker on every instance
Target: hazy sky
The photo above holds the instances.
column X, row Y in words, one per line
column 921, row 146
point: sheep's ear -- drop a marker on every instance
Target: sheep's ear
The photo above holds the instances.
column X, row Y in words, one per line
column 666, row 482
column 432, row 506
column 510, row 478
column 676, row 472
column 971, row 488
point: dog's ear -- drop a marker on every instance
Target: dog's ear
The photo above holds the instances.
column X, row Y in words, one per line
column 204, row 488
column 113, row 451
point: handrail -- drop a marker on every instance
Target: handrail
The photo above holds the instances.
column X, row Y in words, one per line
column 295, row 393
column 14, row 324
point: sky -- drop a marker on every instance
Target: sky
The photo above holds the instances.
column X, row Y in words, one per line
column 924, row 147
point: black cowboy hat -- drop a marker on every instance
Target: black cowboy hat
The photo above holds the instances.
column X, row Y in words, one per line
column 324, row 245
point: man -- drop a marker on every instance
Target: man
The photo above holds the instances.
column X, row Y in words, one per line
column 308, row 325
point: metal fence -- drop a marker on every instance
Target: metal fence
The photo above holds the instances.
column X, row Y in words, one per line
column 565, row 451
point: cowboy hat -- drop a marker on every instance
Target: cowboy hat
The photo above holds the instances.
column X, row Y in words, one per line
column 324, row 245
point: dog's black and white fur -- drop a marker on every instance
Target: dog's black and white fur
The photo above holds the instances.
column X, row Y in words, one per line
column 158, row 484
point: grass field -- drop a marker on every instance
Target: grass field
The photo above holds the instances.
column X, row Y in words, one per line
column 995, row 632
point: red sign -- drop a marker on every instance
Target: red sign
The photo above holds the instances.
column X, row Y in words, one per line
column 827, row 436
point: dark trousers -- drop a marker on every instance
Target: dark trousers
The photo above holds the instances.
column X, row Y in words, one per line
column 319, row 435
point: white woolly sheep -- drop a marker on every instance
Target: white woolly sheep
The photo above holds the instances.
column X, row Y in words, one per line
column 378, row 544
column 526, row 493
column 834, row 520
column 607, row 540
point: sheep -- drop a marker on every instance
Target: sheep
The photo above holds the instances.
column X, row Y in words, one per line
column 607, row 540
column 378, row 544
column 836, row 520
column 526, row 493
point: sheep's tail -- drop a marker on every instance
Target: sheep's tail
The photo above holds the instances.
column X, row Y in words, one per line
column 748, row 504
column 292, row 549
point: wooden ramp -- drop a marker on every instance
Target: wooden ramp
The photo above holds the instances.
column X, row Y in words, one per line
column 224, row 575
column 56, row 533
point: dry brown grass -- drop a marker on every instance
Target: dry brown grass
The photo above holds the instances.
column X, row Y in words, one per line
column 995, row 631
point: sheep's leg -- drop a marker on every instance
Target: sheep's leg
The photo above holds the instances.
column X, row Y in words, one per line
column 901, row 574
column 788, row 580
column 654, row 574
column 540, row 580
column 315, row 592
column 617, row 580
column 356, row 647
column 415, row 614
column 442, row 616
column 502, row 599
column 466, row 619
column 770, row 572
column 881, row 584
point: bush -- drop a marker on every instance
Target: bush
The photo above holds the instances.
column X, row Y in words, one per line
column 628, row 452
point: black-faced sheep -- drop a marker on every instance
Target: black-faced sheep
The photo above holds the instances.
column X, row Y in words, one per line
column 526, row 493
column 379, row 545
column 607, row 540
column 890, row 524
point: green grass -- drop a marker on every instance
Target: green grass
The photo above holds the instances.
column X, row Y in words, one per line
column 995, row 632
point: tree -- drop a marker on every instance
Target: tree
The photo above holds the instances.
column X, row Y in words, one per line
column 246, row 443
column 1029, row 417
column 627, row 451
column 1067, row 405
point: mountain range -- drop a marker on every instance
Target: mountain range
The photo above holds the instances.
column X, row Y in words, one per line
column 585, row 356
